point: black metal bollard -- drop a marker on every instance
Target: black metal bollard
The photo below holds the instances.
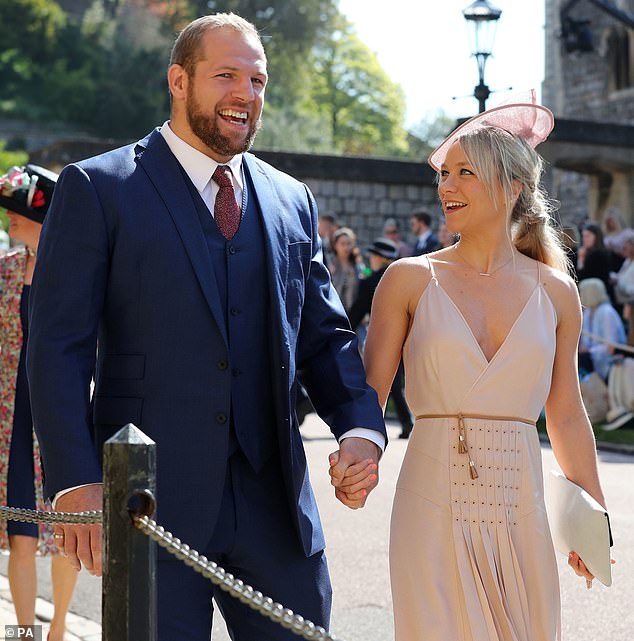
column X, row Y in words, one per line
column 129, row 579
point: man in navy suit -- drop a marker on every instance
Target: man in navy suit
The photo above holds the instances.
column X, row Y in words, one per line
column 426, row 241
column 194, row 293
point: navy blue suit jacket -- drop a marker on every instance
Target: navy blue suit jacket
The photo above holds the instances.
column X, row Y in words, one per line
column 124, row 290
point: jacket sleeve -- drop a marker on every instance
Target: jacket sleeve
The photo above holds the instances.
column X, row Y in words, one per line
column 328, row 354
column 66, row 302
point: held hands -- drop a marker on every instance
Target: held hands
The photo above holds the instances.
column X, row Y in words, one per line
column 81, row 543
column 354, row 471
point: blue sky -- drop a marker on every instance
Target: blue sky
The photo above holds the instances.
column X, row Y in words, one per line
column 424, row 46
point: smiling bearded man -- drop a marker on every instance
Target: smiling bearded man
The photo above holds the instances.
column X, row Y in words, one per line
column 197, row 267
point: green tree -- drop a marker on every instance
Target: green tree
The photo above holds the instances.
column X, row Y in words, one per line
column 428, row 133
column 364, row 107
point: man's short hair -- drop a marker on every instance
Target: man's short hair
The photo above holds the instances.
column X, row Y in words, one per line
column 329, row 218
column 187, row 50
column 422, row 216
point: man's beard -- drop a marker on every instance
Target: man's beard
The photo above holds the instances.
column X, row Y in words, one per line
column 205, row 127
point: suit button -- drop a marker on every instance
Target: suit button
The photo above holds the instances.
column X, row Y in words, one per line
column 222, row 364
column 236, row 372
column 232, row 250
column 221, row 418
column 235, row 311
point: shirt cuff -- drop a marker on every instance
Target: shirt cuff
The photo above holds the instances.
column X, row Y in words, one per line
column 370, row 435
column 70, row 489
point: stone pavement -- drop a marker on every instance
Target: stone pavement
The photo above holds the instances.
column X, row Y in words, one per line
column 78, row 628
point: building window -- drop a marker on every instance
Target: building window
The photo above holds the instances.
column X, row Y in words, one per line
column 620, row 55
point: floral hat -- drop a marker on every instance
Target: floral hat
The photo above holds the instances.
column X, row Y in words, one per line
column 520, row 115
column 28, row 191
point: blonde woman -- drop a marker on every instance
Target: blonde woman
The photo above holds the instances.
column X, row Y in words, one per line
column 488, row 331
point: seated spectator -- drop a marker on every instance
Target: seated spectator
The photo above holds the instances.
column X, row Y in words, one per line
column 391, row 231
column 600, row 321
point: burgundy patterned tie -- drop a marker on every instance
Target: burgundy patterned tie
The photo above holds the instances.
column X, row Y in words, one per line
column 226, row 210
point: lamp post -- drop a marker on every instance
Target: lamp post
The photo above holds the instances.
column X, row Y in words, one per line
column 482, row 18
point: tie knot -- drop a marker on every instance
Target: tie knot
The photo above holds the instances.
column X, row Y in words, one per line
column 222, row 176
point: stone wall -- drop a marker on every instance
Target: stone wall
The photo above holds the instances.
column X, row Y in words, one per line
column 359, row 192
column 362, row 192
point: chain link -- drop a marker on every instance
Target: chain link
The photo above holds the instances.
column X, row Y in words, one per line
column 226, row 581
column 39, row 516
column 219, row 576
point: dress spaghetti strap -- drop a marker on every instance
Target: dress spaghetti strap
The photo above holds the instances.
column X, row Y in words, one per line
column 431, row 269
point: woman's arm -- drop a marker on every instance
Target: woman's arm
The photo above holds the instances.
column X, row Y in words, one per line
column 393, row 308
column 567, row 422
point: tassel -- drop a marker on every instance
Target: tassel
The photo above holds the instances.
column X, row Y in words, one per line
column 462, row 447
column 462, row 441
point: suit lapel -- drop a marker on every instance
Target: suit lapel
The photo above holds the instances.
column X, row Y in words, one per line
column 163, row 170
column 275, row 239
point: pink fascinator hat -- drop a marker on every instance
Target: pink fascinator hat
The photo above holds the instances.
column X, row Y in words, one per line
column 519, row 115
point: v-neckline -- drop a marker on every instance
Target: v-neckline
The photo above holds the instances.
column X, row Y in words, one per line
column 470, row 331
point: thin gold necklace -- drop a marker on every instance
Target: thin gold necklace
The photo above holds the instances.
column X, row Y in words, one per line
column 475, row 269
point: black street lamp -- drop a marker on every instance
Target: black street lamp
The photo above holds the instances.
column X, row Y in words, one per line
column 482, row 18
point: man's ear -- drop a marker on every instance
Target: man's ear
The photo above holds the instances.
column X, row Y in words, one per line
column 178, row 81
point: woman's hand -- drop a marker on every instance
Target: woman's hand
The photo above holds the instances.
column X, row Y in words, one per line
column 575, row 562
column 580, row 569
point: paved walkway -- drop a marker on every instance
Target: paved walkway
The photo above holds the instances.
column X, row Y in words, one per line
column 362, row 603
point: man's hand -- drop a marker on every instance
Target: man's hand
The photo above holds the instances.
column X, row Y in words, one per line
column 81, row 543
column 354, row 471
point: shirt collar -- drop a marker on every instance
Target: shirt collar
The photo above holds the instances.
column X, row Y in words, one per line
column 198, row 166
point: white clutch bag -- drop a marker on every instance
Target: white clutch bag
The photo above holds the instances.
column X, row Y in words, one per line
column 579, row 523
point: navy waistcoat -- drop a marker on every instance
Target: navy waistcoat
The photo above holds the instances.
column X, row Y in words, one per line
column 241, row 275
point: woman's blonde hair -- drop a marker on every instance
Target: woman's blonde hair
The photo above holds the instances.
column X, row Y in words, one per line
column 501, row 158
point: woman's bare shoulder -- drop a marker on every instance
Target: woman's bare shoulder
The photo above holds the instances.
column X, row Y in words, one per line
column 562, row 290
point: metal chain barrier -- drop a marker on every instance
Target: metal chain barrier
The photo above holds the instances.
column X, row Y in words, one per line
column 38, row 516
column 226, row 581
column 210, row 570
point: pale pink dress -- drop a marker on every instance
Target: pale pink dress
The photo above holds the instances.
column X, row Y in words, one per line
column 473, row 559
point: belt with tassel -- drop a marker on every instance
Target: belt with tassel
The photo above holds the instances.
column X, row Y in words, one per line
column 462, row 434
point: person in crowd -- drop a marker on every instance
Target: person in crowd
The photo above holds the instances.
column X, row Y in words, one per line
column 26, row 193
column 593, row 259
column 183, row 273
column 383, row 252
column 600, row 321
column 392, row 232
column 615, row 232
column 488, row 330
column 445, row 237
column 420, row 225
column 623, row 282
column 346, row 266
column 326, row 229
